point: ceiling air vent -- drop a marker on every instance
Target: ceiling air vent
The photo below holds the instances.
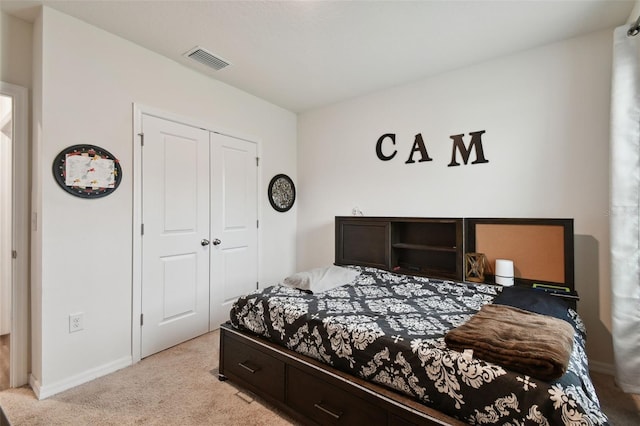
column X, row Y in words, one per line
column 207, row 58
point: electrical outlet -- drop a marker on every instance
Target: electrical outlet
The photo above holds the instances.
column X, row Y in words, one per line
column 76, row 322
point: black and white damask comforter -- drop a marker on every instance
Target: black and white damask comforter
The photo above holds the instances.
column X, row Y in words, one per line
column 390, row 328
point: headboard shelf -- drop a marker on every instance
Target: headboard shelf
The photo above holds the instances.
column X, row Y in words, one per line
column 419, row 246
column 414, row 270
column 423, row 247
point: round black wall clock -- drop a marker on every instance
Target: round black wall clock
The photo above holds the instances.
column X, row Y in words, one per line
column 87, row 171
column 282, row 192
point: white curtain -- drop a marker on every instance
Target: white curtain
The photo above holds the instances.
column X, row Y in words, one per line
column 625, row 208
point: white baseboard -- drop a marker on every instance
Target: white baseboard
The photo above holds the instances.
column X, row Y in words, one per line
column 45, row 391
column 35, row 385
column 602, row 367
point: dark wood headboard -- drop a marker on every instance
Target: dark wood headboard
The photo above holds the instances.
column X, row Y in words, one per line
column 541, row 249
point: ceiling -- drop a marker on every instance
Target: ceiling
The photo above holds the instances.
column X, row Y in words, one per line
column 302, row 55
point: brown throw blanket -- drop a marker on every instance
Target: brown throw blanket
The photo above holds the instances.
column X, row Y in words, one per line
column 533, row 344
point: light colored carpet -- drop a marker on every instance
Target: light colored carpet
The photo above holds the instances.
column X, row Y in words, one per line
column 623, row 409
column 180, row 386
column 173, row 387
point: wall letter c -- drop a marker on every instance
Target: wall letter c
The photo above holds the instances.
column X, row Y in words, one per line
column 379, row 153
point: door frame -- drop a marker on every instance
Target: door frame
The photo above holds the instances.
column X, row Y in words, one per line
column 20, row 200
column 136, row 295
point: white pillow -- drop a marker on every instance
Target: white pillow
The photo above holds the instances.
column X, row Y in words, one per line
column 321, row 279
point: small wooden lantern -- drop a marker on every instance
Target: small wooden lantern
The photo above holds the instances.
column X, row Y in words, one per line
column 475, row 264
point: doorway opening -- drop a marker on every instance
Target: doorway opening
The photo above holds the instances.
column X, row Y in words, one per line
column 6, row 167
column 15, row 194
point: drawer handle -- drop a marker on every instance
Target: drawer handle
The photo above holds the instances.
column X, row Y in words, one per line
column 327, row 411
column 246, row 367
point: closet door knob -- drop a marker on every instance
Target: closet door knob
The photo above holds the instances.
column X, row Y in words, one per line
column 204, row 242
column 216, row 242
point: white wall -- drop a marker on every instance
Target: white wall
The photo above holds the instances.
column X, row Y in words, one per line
column 15, row 48
column 635, row 12
column 546, row 117
column 89, row 80
column 36, row 201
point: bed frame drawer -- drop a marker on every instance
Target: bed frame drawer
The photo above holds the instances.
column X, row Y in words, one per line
column 253, row 367
column 309, row 383
column 327, row 404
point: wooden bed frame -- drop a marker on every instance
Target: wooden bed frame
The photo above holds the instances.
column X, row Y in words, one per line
column 315, row 393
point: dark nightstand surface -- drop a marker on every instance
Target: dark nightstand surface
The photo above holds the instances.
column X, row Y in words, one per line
column 571, row 297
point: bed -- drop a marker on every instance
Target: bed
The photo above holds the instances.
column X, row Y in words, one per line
column 372, row 349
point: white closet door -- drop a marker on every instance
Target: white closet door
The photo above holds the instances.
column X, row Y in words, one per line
column 175, row 249
column 234, row 259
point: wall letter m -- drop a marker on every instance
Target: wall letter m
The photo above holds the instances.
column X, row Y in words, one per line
column 458, row 145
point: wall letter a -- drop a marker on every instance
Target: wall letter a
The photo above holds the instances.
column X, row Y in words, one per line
column 476, row 143
column 418, row 145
